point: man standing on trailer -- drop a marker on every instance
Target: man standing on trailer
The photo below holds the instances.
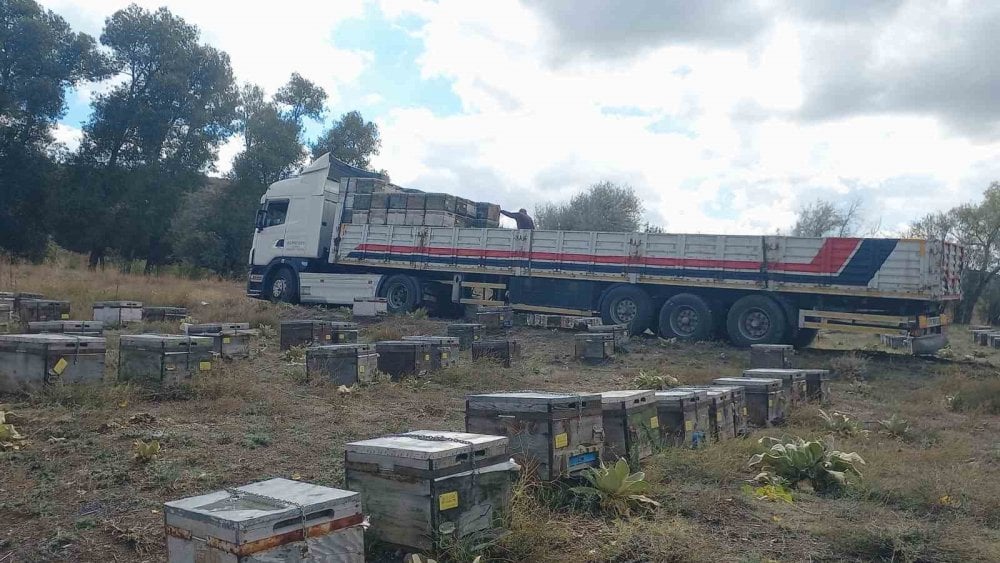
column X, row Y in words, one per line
column 524, row 221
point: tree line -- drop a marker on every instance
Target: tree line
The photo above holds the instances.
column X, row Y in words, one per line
column 137, row 187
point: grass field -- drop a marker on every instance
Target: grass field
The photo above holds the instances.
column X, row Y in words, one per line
column 74, row 493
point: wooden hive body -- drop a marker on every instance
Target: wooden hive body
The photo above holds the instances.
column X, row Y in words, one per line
column 793, row 380
column 817, row 385
column 400, row 358
column 594, row 347
column 426, row 487
column 343, row 364
column 557, row 434
column 766, row 399
column 32, row 310
column 467, row 333
column 29, row 362
column 163, row 359
column 505, row 352
column 677, row 412
column 444, row 349
column 775, row 356
column 631, row 424
column 76, row 328
column 117, row 313
column 164, row 314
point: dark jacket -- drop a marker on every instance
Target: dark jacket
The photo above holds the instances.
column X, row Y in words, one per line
column 523, row 219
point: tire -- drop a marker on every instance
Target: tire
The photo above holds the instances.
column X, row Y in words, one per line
column 283, row 286
column 686, row 316
column 402, row 292
column 804, row 337
column 756, row 319
column 627, row 304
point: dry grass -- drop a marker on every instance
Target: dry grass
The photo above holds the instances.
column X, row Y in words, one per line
column 74, row 492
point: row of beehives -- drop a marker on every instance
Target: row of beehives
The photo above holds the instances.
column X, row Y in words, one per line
column 22, row 310
column 31, row 361
column 985, row 336
column 423, row 488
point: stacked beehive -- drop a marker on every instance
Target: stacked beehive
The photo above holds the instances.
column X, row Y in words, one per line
column 373, row 201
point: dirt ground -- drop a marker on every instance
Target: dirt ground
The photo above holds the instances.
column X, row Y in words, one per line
column 74, row 493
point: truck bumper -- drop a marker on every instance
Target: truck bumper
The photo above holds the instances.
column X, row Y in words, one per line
column 255, row 281
column 928, row 344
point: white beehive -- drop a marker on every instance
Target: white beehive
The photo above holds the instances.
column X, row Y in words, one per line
column 270, row 521
column 117, row 313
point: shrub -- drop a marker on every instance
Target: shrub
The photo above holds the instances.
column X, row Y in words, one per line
column 145, row 451
column 977, row 395
column 840, row 423
column 617, row 491
column 850, row 367
column 800, row 461
column 895, row 426
column 652, row 381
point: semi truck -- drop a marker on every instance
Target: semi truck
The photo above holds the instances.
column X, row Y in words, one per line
column 751, row 289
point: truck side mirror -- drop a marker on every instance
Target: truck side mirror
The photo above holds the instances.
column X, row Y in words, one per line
column 261, row 220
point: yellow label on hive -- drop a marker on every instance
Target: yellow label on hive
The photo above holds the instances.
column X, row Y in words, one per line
column 226, row 340
column 562, row 440
column 770, row 403
column 60, row 366
column 170, row 367
column 744, row 411
column 427, row 357
column 718, row 416
column 327, row 337
column 204, row 366
column 64, row 316
column 444, row 355
column 654, row 422
column 341, row 336
column 448, row 500
column 361, row 369
column 688, row 425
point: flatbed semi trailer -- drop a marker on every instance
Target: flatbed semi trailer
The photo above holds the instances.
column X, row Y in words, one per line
column 751, row 289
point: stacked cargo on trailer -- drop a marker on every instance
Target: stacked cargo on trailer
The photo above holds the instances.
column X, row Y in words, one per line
column 753, row 289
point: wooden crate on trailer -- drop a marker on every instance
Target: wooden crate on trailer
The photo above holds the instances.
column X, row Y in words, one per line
column 765, row 399
column 34, row 310
column 777, row 356
column 793, row 380
column 445, row 349
column 115, row 314
column 677, row 412
column 269, row 521
column 164, row 314
column 163, row 360
column 506, row 352
column 400, row 358
column 817, row 385
column 631, row 424
column 426, row 488
column 342, row 364
column 467, row 333
column 75, row 328
column 557, row 434
column 29, row 362
column 594, row 346
column 619, row 332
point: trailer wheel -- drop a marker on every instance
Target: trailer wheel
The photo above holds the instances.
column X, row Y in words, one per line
column 402, row 293
column 756, row 319
column 283, row 286
column 804, row 338
column 686, row 316
column 627, row 305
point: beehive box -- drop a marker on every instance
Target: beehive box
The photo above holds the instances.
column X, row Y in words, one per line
column 270, row 521
column 505, row 352
column 199, row 329
column 677, row 412
column 163, row 359
column 994, row 339
column 164, row 314
column 343, row 364
column 594, row 346
column 981, row 336
column 618, row 332
column 76, row 328
column 117, row 313
column 765, row 399
column 817, row 385
column 494, row 319
column 896, row 341
column 425, row 488
column 6, row 317
column 445, row 349
column 370, row 307
column 34, row 310
column 303, row 333
column 399, row 358
column 721, row 418
column 559, row 433
column 737, row 396
column 778, row 356
column 793, row 380
column 631, row 424
column 13, row 298
column 984, row 337
column 29, row 362
column 467, row 333
column 229, row 340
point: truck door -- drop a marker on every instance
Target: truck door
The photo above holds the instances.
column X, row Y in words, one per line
column 269, row 242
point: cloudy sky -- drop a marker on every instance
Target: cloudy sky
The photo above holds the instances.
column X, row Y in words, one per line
column 726, row 116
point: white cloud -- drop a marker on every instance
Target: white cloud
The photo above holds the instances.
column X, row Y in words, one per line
column 67, row 136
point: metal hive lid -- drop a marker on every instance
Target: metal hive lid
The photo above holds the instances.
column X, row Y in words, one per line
column 674, row 395
column 118, row 304
column 155, row 338
column 699, row 391
column 522, row 397
column 772, row 372
column 410, row 445
column 749, row 381
column 244, row 511
column 454, row 340
column 340, row 349
column 627, row 397
column 51, row 338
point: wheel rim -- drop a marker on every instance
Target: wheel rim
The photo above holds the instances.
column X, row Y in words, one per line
column 684, row 321
column 278, row 288
column 398, row 296
column 755, row 324
column 624, row 311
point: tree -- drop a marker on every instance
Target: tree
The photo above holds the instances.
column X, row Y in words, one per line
column 604, row 206
column 151, row 138
column 351, row 139
column 824, row 218
column 40, row 58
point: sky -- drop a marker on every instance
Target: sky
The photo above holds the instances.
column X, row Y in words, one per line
column 726, row 116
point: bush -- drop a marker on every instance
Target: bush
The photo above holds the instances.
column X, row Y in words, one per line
column 977, row 395
column 850, row 367
column 617, row 490
column 797, row 462
column 840, row 423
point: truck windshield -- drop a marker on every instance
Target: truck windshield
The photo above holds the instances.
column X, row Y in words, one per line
column 276, row 212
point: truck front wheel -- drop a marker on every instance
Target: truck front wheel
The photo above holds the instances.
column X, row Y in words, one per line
column 756, row 319
column 686, row 316
column 402, row 293
column 283, row 286
column 627, row 305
